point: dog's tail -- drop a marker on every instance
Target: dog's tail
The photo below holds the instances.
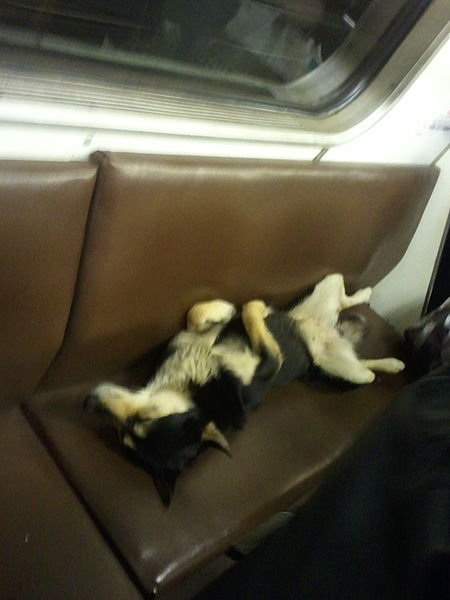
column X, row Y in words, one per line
column 261, row 339
column 353, row 327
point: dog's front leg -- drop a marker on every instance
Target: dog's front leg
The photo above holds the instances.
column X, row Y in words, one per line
column 253, row 315
column 337, row 357
column 203, row 315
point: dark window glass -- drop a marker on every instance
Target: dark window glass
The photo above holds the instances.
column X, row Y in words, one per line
column 274, row 47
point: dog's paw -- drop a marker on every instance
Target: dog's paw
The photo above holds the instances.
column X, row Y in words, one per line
column 393, row 365
column 363, row 296
column 203, row 315
column 363, row 377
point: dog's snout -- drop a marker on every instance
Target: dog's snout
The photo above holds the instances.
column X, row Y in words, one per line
column 91, row 403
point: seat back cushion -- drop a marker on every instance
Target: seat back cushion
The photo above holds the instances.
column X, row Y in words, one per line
column 43, row 212
column 166, row 232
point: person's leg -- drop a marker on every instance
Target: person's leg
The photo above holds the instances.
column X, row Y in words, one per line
column 378, row 527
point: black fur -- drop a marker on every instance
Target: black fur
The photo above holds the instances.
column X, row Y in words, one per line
column 172, row 442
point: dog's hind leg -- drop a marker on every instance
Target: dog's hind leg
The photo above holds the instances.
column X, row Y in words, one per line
column 385, row 365
column 324, row 303
column 261, row 339
column 337, row 357
column 359, row 297
column 327, row 300
column 203, row 315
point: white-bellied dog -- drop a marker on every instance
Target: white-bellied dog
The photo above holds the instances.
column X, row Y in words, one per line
column 221, row 366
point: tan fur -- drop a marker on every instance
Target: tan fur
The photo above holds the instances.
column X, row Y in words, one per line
column 253, row 315
column 203, row 315
column 127, row 441
column 208, row 318
column 212, row 434
column 124, row 404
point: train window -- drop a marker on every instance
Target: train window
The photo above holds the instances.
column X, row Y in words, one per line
column 312, row 55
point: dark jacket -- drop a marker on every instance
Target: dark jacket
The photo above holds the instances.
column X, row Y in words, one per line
column 379, row 526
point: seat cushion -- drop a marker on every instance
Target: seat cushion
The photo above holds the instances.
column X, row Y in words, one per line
column 49, row 548
column 277, row 458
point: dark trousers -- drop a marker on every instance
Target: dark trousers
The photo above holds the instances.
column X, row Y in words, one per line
column 379, row 526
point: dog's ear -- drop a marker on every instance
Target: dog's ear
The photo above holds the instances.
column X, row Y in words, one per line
column 211, row 434
column 165, row 485
column 142, row 428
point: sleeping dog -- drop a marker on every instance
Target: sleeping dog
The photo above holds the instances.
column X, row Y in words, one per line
column 220, row 367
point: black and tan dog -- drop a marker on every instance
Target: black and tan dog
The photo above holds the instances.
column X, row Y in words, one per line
column 220, row 367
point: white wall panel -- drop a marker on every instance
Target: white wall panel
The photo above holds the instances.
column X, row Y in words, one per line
column 400, row 296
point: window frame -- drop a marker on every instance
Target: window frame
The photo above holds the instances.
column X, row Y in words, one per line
column 45, row 76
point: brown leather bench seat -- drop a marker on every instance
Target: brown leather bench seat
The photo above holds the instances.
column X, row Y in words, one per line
column 50, row 548
column 97, row 278
column 277, row 459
